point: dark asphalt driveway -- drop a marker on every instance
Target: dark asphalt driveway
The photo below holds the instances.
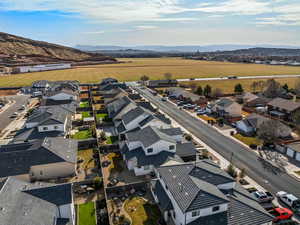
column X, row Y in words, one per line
column 265, row 175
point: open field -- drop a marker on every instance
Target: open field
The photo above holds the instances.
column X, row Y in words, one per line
column 132, row 69
column 227, row 86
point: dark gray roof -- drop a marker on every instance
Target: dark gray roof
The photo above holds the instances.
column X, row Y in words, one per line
column 141, row 159
column 121, row 128
column 255, row 120
column 164, row 200
column 172, row 131
column 224, row 102
column 215, row 219
column 108, row 80
column 58, row 91
column 16, row 159
column 185, row 149
column 24, row 203
column 287, row 105
column 49, row 115
column 188, row 190
column 148, row 136
column 65, row 104
column 27, row 134
column 132, row 114
column 117, row 105
column 146, row 105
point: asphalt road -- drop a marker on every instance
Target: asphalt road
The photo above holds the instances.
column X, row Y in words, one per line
column 4, row 116
column 240, row 78
column 265, row 175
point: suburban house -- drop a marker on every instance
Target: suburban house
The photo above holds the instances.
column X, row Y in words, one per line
column 152, row 147
column 32, row 204
column 292, row 150
column 161, row 83
column 257, row 102
column 43, row 159
column 61, row 95
column 202, row 193
column 251, row 124
column 48, row 119
column 246, row 97
column 226, row 107
column 118, row 105
column 282, row 108
column 108, row 80
column 69, row 105
column 138, row 118
column 184, row 95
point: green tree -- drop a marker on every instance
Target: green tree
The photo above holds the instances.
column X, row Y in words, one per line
column 238, row 89
column 231, row 171
column 242, row 173
column 144, row 78
column 199, row 91
column 207, row 91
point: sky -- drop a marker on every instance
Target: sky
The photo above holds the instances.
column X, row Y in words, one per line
column 154, row 22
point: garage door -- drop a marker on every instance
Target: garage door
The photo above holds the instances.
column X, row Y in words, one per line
column 290, row 153
column 298, row 156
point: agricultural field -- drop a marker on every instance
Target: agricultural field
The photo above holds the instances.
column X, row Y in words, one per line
column 132, row 69
column 227, row 86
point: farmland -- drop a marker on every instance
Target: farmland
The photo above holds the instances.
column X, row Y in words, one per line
column 227, row 86
column 132, row 69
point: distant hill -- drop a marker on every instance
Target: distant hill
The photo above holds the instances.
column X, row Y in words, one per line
column 185, row 48
column 43, row 51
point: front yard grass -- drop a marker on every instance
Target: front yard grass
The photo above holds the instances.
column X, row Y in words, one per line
column 84, row 134
column 86, row 115
column 142, row 212
column 86, row 214
column 111, row 140
column 84, row 104
column 87, row 157
column 248, row 140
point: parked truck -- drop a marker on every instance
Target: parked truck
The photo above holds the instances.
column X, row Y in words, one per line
column 290, row 200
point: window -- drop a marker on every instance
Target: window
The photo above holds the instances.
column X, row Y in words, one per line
column 216, row 208
column 150, row 150
column 41, row 173
column 174, row 214
column 147, row 167
column 196, row 213
column 55, row 127
column 171, row 147
column 45, row 128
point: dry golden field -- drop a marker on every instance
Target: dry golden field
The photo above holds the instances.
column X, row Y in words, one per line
column 227, row 86
column 132, row 69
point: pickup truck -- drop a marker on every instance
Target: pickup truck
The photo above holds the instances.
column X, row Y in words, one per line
column 289, row 199
column 281, row 214
column 263, row 197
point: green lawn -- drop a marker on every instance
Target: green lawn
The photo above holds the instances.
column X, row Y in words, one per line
column 86, row 214
column 141, row 212
column 111, row 140
column 84, row 104
column 84, row 134
column 248, row 140
column 103, row 116
column 86, row 115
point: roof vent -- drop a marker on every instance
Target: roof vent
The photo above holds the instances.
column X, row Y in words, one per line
column 174, row 176
column 186, row 193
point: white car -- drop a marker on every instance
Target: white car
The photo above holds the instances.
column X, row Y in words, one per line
column 289, row 199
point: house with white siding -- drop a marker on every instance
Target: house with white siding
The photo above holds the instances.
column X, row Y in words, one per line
column 151, row 147
column 202, row 193
column 35, row 203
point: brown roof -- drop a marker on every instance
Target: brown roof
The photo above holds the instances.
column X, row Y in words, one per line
column 281, row 103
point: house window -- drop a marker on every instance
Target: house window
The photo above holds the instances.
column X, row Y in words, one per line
column 196, row 213
column 150, row 150
column 216, row 208
column 45, row 128
column 41, row 173
column 55, row 127
column 174, row 214
column 171, row 147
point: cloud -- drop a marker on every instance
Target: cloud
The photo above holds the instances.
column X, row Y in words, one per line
column 283, row 12
column 145, row 27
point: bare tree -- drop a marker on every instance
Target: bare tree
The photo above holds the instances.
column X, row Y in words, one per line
column 254, row 86
column 168, row 76
column 273, row 89
column 269, row 130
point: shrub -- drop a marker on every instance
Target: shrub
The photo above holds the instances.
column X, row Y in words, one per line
column 231, row 171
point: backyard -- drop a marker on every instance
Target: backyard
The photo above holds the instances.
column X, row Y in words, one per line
column 111, row 140
column 84, row 104
column 84, row 134
column 86, row 115
column 131, row 70
column 86, row 214
column 87, row 157
column 142, row 212
column 102, row 116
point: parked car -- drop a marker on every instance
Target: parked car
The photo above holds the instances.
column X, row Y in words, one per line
column 164, row 99
column 290, row 200
column 262, row 196
column 281, row 214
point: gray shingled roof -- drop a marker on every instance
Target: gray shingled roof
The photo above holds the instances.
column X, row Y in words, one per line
column 287, row 105
column 24, row 203
column 224, row 102
column 185, row 149
column 139, row 157
column 16, row 159
column 215, row 219
column 172, row 131
column 188, row 190
column 132, row 114
column 117, row 105
column 148, row 136
column 27, row 134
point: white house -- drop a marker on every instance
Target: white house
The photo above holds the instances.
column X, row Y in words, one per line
column 31, row 203
column 150, row 147
column 202, row 193
column 45, row 67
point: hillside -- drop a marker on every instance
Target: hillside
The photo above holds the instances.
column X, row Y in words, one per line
column 43, row 51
